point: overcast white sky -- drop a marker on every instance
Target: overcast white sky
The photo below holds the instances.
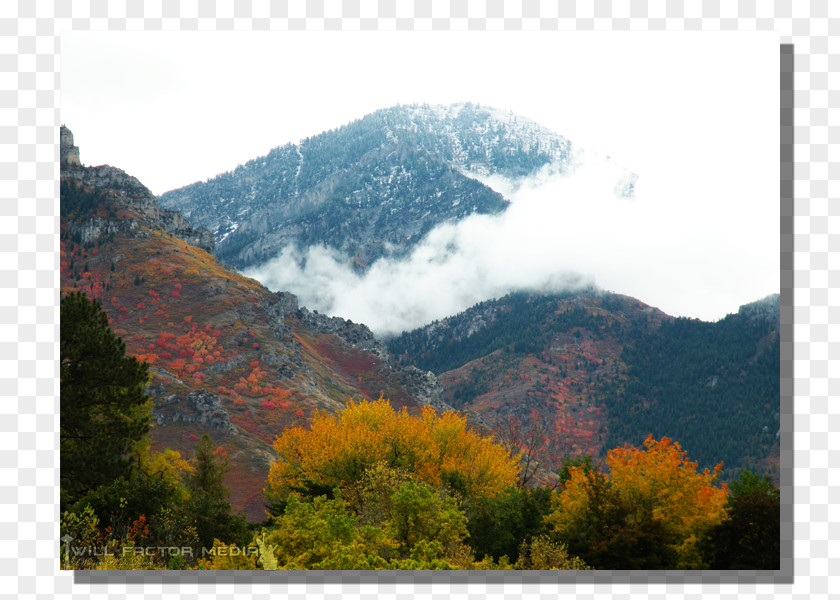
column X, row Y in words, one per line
column 696, row 116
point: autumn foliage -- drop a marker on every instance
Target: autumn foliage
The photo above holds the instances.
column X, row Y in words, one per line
column 433, row 448
column 682, row 498
column 652, row 499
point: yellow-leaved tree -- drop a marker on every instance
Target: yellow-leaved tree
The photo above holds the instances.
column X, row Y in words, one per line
column 684, row 500
column 430, row 447
column 648, row 511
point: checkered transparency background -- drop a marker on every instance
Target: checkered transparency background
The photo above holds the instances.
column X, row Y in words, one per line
column 29, row 330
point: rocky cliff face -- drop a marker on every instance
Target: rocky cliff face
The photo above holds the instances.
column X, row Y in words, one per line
column 129, row 192
column 423, row 386
column 69, row 152
column 174, row 223
column 199, row 408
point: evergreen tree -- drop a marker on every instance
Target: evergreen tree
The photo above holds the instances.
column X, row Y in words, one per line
column 500, row 526
column 749, row 537
column 104, row 411
column 209, row 503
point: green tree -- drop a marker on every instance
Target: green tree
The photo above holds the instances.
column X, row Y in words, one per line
column 152, row 491
column 423, row 517
column 544, row 554
column 609, row 532
column 80, row 531
column 748, row 482
column 748, row 538
column 500, row 526
column 324, row 534
column 385, row 520
column 104, row 411
column 208, row 504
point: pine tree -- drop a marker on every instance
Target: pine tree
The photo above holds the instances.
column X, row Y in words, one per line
column 749, row 536
column 104, row 411
column 209, row 503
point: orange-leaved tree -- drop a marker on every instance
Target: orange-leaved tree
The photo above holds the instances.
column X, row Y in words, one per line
column 656, row 492
column 682, row 497
column 435, row 448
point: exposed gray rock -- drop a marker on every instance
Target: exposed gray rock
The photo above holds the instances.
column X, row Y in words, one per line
column 200, row 407
column 223, row 366
column 96, row 227
column 286, row 364
column 283, row 305
column 356, row 335
column 174, row 223
column 69, row 152
column 424, row 386
column 288, row 302
column 128, row 191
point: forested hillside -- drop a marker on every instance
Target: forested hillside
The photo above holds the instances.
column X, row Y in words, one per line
column 715, row 386
column 605, row 370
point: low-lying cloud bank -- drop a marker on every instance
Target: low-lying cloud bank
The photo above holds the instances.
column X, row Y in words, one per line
column 559, row 233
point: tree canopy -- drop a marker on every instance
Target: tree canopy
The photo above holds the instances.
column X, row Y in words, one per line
column 653, row 503
column 436, row 449
column 104, row 411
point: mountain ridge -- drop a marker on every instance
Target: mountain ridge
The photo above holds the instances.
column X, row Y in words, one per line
column 596, row 370
column 373, row 187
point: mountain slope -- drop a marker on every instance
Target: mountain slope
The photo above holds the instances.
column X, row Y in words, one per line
column 713, row 386
column 371, row 188
column 228, row 357
column 604, row 370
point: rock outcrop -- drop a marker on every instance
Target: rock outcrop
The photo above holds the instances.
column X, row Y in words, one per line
column 424, row 386
column 357, row 335
column 69, row 152
column 199, row 407
column 128, row 191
